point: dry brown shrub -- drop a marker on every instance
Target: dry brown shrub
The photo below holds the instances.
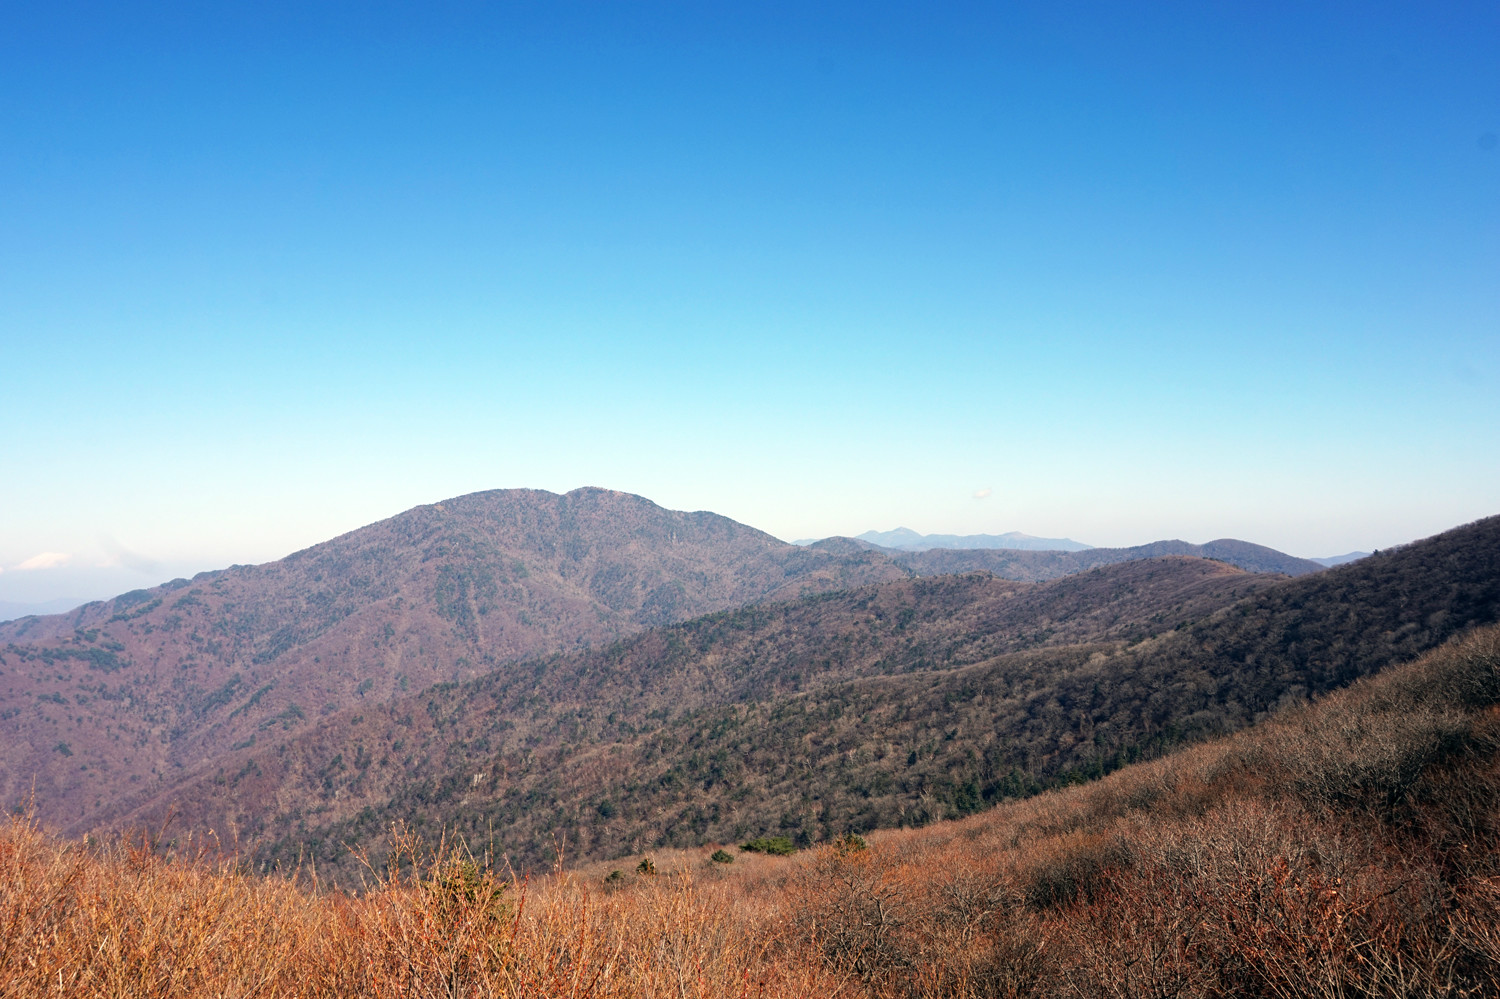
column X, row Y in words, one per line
column 1074, row 867
column 853, row 905
column 125, row 921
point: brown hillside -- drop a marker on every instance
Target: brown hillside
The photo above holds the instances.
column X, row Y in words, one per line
column 126, row 696
column 896, row 704
column 742, row 671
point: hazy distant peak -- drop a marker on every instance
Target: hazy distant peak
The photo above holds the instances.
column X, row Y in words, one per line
column 10, row 611
column 905, row 539
column 901, row 537
column 1333, row 560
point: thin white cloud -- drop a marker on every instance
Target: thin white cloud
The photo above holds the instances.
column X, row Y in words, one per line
column 45, row 560
column 983, row 493
column 119, row 555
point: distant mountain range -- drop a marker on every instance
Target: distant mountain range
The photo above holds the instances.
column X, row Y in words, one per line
column 1035, row 566
column 1334, row 560
column 10, row 611
column 905, row 539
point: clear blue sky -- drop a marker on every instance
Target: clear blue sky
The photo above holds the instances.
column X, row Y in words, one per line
column 268, row 273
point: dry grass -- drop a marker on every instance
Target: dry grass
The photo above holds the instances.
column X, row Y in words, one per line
column 1348, row 849
column 127, row 921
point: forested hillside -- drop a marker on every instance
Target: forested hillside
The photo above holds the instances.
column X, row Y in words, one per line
column 894, row 704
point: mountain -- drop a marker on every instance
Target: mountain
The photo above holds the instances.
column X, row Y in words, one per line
column 895, row 703
column 124, row 696
column 1333, row 560
column 593, row 665
column 905, row 539
column 1041, row 565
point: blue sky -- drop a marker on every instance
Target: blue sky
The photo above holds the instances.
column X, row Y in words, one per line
column 269, row 274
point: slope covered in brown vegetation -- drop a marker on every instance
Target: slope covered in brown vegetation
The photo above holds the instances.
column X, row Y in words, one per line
column 1347, row 848
column 630, row 695
column 126, row 695
column 890, row 705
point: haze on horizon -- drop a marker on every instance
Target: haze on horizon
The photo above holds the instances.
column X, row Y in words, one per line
column 1069, row 269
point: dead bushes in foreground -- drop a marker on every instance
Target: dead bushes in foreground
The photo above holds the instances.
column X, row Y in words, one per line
column 125, row 921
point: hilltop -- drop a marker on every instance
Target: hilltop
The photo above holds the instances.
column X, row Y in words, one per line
column 1022, row 557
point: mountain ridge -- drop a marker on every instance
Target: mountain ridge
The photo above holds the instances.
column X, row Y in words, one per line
column 905, row 539
column 1037, row 566
column 134, row 692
